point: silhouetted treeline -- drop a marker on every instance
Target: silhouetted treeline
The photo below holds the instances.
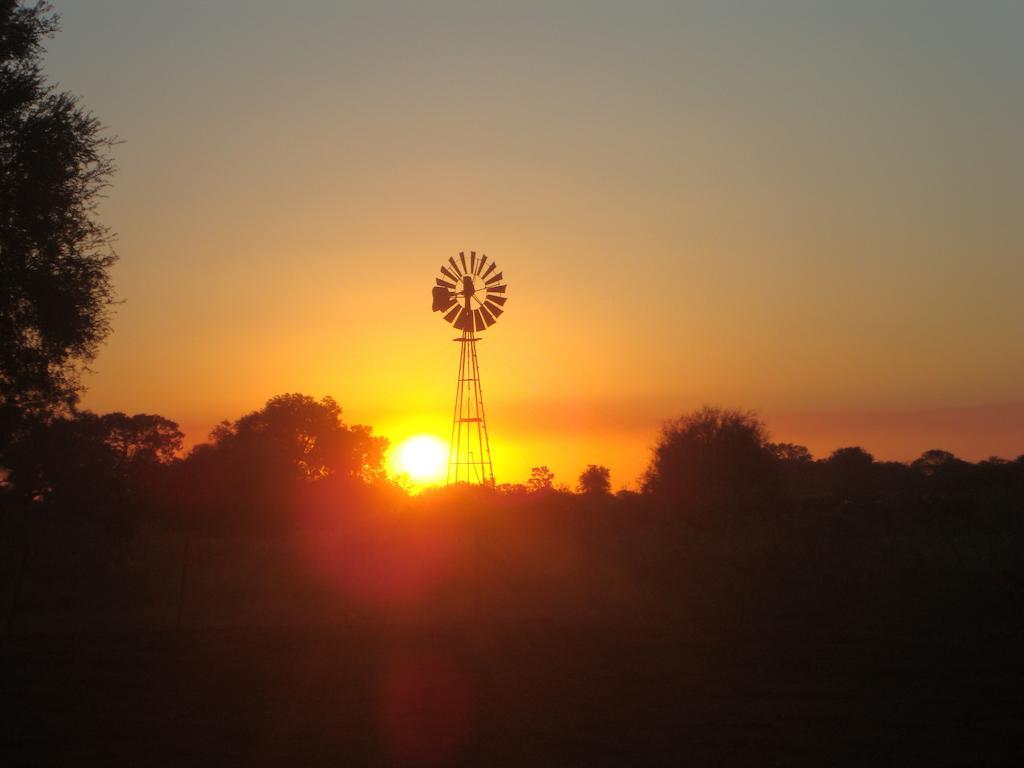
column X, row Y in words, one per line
column 295, row 461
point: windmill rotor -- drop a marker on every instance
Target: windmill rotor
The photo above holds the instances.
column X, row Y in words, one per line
column 467, row 294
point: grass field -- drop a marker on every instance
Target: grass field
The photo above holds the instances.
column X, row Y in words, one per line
column 540, row 650
column 505, row 695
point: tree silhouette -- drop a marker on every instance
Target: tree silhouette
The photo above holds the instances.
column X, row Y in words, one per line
column 933, row 461
column 92, row 460
column 850, row 471
column 296, row 436
column 541, row 479
column 945, row 473
column 713, row 460
column 141, row 440
column 54, row 255
column 257, row 465
column 790, row 453
column 595, row 480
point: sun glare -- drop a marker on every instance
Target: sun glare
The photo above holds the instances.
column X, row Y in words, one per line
column 422, row 458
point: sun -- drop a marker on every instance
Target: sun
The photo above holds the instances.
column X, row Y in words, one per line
column 421, row 457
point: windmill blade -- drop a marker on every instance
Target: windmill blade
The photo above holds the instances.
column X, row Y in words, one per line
column 449, row 274
column 480, row 265
column 455, row 266
column 487, row 316
column 478, row 318
column 450, row 317
column 444, row 283
column 459, row 311
column 496, row 279
column 462, row 258
column 472, row 262
column 489, row 270
column 497, row 289
column 496, row 299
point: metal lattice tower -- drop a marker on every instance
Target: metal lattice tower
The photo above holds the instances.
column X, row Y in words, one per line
column 469, row 452
column 472, row 299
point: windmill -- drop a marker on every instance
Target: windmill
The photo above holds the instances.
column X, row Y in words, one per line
column 470, row 294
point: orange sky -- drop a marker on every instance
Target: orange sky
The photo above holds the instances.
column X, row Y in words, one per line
column 812, row 213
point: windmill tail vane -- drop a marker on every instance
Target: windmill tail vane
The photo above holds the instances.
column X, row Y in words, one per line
column 470, row 293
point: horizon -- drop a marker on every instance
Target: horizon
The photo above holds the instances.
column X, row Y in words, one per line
column 814, row 430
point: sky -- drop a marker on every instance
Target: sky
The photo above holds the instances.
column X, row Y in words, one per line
column 811, row 210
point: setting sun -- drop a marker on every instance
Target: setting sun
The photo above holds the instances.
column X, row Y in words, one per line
column 421, row 457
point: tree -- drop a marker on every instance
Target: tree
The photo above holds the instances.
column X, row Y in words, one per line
column 262, row 464
column 713, row 460
column 790, row 453
column 92, row 460
column 933, row 461
column 541, row 479
column 295, row 436
column 944, row 472
column 55, row 256
column 141, row 440
column 595, row 480
column 796, row 468
column 850, row 470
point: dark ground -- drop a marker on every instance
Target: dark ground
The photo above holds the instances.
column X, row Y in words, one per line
column 526, row 651
column 524, row 695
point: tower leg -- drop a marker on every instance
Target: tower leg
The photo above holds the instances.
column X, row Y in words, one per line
column 469, row 452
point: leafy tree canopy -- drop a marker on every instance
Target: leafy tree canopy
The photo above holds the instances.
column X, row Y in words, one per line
column 595, row 479
column 88, row 457
column 295, row 436
column 55, row 289
column 714, row 459
column 541, row 479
